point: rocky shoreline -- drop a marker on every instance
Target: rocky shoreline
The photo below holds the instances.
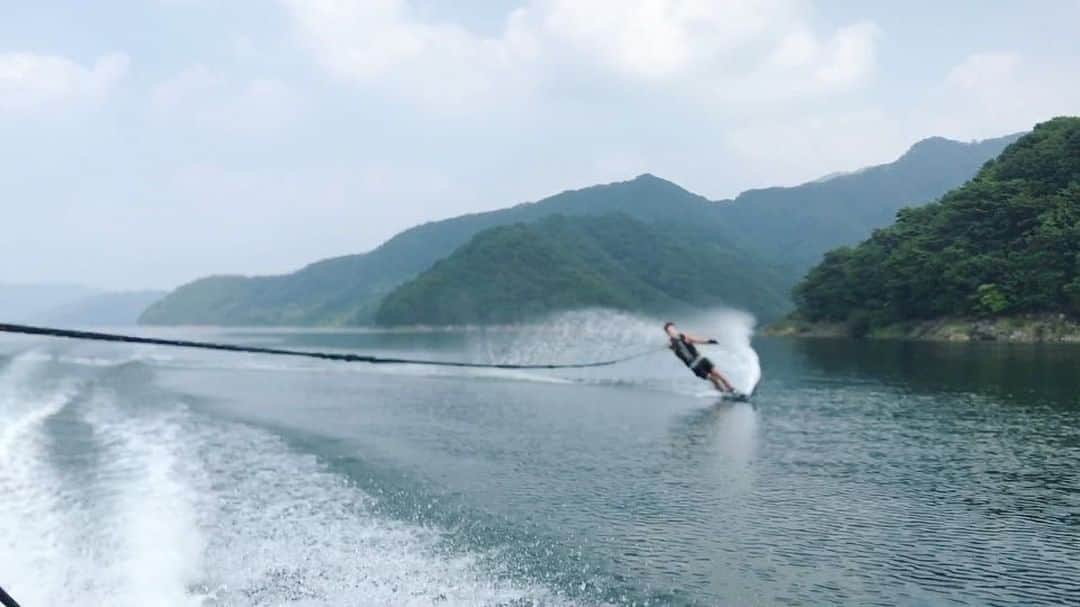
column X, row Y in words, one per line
column 1056, row 328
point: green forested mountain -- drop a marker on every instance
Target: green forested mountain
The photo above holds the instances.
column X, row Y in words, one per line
column 785, row 228
column 348, row 290
column 793, row 227
column 517, row 272
column 1007, row 242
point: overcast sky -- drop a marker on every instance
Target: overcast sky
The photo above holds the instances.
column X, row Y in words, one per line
column 147, row 143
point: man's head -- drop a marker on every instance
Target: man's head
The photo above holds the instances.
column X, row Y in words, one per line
column 669, row 328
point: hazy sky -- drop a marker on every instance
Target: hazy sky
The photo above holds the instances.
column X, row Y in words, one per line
column 147, row 143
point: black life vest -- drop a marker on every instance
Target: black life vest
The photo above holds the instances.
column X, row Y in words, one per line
column 684, row 349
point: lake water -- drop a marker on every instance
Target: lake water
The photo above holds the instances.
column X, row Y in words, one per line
column 862, row 473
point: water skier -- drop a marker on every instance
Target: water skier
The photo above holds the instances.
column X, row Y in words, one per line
column 683, row 347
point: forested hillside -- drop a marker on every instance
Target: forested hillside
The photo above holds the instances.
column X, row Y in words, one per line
column 518, row 272
column 781, row 232
column 1006, row 243
column 348, row 290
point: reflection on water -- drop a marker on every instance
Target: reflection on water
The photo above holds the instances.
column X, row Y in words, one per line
column 724, row 428
column 1047, row 373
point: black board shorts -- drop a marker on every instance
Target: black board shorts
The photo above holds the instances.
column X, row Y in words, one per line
column 702, row 368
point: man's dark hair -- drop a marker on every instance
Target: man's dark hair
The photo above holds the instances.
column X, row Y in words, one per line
column 668, row 324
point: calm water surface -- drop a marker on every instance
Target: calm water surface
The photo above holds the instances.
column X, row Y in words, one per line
column 863, row 473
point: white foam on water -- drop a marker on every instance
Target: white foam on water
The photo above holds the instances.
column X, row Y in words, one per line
column 283, row 528
column 95, row 361
column 182, row 509
column 127, row 356
column 29, row 492
column 149, row 524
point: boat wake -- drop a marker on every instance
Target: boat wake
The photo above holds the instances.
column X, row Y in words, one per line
column 118, row 493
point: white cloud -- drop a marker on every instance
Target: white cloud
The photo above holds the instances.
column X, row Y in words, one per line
column 194, row 82
column 982, row 69
column 30, row 81
column 700, row 46
column 848, row 57
column 244, row 49
column 992, row 93
column 207, row 98
column 801, row 65
column 807, row 146
column 797, row 49
column 656, row 38
column 987, row 94
column 379, row 42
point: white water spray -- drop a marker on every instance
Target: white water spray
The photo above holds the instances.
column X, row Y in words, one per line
column 734, row 356
column 598, row 334
column 573, row 337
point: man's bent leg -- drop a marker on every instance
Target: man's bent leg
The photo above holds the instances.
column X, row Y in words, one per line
column 716, row 384
column 720, row 381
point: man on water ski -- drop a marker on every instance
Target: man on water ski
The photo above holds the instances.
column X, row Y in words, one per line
column 683, row 347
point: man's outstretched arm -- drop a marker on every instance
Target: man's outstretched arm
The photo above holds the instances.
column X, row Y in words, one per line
column 699, row 340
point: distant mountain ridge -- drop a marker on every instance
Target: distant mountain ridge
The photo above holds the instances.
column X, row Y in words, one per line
column 348, row 290
column 794, row 226
column 72, row 305
column 523, row 271
column 102, row 309
column 784, row 230
column 25, row 302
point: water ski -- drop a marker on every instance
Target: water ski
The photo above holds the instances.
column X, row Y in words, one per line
column 735, row 397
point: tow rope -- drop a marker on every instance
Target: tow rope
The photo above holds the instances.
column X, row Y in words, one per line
column 351, row 358
column 6, row 600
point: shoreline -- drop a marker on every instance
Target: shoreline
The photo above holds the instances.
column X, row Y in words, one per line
column 1049, row 328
